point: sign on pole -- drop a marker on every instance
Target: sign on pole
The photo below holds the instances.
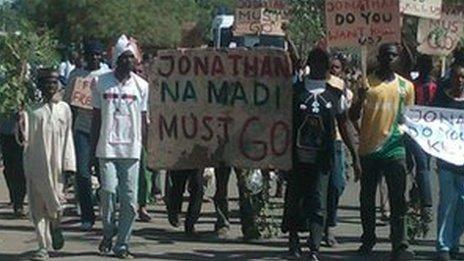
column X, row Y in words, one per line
column 439, row 131
column 260, row 17
column 230, row 107
column 359, row 22
column 421, row 8
column 441, row 37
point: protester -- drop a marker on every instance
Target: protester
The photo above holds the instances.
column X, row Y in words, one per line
column 12, row 151
column 337, row 179
column 178, row 181
column 66, row 67
column 317, row 109
column 382, row 149
column 450, row 223
column 49, row 151
column 425, row 89
column 82, row 126
column 120, row 101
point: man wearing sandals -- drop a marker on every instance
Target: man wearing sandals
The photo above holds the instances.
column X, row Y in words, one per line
column 48, row 151
column 120, row 101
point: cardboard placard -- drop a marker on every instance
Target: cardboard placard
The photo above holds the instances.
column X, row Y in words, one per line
column 359, row 22
column 260, row 17
column 421, row 8
column 230, row 107
column 441, row 37
column 81, row 95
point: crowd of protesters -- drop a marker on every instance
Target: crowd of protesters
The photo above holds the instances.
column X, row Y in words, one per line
column 335, row 107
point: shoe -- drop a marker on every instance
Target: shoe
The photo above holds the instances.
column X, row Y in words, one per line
column 20, row 213
column 173, row 220
column 57, row 237
column 365, row 250
column 294, row 247
column 330, row 239
column 385, row 216
column 190, row 230
column 104, row 248
column 223, row 233
column 40, row 255
column 143, row 215
column 402, row 255
column 314, row 256
column 86, row 226
column 124, row 254
column 443, row 256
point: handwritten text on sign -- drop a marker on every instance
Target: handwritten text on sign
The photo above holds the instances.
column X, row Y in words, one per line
column 212, row 107
column 441, row 37
column 82, row 95
column 260, row 17
column 360, row 22
column 440, row 132
column 422, row 8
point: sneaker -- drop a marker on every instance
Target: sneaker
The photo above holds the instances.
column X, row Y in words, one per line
column 40, row 255
column 190, row 230
column 20, row 213
column 124, row 254
column 365, row 250
column 105, row 246
column 57, row 237
column 294, row 249
column 402, row 255
column 314, row 256
column 385, row 216
column 86, row 226
column 443, row 256
column 173, row 220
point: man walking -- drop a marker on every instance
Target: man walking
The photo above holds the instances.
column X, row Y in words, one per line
column 120, row 101
column 382, row 150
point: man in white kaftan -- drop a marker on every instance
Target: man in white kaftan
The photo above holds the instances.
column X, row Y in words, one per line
column 49, row 152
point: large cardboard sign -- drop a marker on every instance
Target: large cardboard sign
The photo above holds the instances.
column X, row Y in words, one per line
column 81, row 95
column 441, row 37
column 229, row 107
column 260, row 17
column 439, row 131
column 360, row 22
column 421, row 8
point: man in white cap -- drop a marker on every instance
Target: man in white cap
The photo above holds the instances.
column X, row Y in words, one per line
column 120, row 101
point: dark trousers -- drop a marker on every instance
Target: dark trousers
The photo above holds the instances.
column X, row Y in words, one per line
column 395, row 176
column 416, row 157
column 178, row 180
column 247, row 215
column 306, row 203
column 14, row 171
column 336, row 184
column 83, row 177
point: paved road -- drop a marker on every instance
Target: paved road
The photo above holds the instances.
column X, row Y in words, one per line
column 159, row 241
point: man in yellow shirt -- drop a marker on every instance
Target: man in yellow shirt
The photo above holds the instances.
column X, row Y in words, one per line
column 382, row 150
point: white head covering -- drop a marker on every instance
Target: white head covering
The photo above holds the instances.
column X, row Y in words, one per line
column 125, row 44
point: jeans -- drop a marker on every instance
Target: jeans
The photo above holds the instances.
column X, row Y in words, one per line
column 337, row 184
column 450, row 224
column 306, row 202
column 394, row 171
column 247, row 214
column 83, row 177
column 423, row 171
column 14, row 171
column 195, row 187
column 119, row 177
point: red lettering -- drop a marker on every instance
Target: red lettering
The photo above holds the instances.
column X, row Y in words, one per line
column 199, row 64
column 286, row 142
column 235, row 58
column 245, row 149
column 170, row 66
column 194, row 126
column 217, row 67
column 266, row 67
column 184, row 65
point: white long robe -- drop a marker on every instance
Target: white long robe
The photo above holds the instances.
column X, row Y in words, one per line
column 49, row 151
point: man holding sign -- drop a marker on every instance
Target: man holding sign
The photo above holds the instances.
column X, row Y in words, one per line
column 78, row 95
column 382, row 150
column 450, row 224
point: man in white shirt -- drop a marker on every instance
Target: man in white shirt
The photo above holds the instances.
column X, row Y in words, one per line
column 120, row 101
